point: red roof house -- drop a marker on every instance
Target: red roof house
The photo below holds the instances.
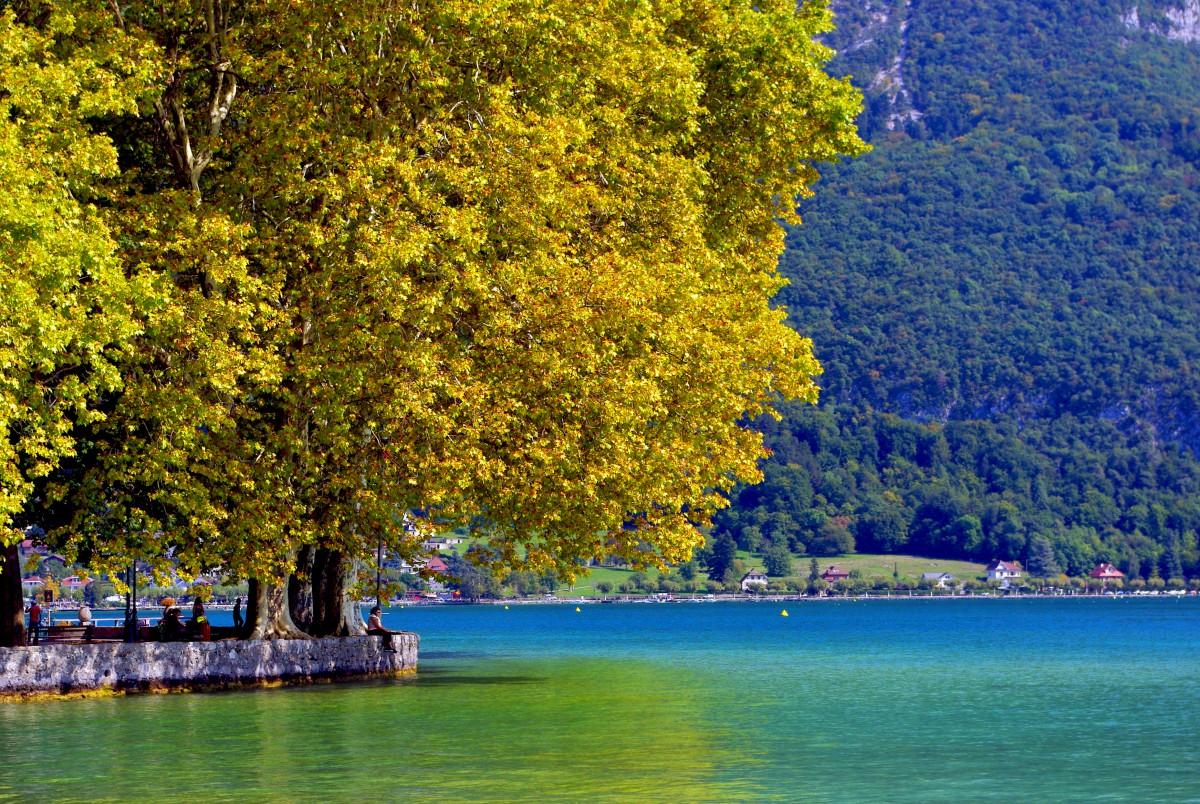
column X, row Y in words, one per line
column 1106, row 572
column 436, row 564
column 834, row 574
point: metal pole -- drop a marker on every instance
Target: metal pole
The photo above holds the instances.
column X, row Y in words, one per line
column 379, row 571
column 129, row 605
column 133, row 632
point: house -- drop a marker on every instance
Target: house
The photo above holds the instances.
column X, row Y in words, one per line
column 443, row 543
column 31, row 585
column 942, row 580
column 438, row 565
column 73, row 583
column 1003, row 571
column 754, row 578
column 834, row 574
column 1106, row 572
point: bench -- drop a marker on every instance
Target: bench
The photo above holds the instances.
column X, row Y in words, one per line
column 49, row 634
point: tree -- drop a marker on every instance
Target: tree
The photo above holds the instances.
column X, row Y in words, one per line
column 1171, row 563
column 604, row 588
column 883, row 529
column 831, row 540
column 472, row 582
column 814, row 569
column 66, row 306
column 777, row 560
column 1042, row 561
column 724, row 551
column 514, row 275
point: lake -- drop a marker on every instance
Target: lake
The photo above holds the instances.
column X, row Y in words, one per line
column 908, row 700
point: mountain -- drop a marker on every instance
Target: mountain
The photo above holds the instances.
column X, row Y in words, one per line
column 1005, row 293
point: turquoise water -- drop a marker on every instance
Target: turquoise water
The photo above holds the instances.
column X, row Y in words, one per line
column 922, row 700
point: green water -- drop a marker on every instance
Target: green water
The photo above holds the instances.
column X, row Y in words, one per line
column 898, row 701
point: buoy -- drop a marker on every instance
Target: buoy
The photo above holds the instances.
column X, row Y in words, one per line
column 506, row 608
column 576, row 608
column 783, row 613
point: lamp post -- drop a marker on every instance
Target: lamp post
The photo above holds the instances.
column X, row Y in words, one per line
column 131, row 613
column 379, row 572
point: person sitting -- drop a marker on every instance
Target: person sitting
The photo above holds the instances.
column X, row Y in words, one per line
column 375, row 628
column 196, row 624
column 173, row 629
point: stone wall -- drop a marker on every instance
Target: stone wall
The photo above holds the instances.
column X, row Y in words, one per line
column 54, row 670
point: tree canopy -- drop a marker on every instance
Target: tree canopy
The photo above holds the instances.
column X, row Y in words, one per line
column 506, row 267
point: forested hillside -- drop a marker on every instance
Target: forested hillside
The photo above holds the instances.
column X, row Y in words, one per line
column 1004, row 293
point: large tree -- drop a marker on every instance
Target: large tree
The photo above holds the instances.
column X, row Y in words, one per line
column 505, row 266
column 65, row 304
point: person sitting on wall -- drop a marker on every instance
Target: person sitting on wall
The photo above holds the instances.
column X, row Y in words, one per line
column 238, row 622
column 173, row 629
column 375, row 628
column 198, row 626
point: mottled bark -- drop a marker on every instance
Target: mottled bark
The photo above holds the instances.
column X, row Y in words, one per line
column 334, row 612
column 268, row 615
column 300, row 593
column 12, row 600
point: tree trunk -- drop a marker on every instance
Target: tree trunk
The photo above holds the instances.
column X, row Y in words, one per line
column 12, row 600
column 300, row 590
column 268, row 615
column 334, row 612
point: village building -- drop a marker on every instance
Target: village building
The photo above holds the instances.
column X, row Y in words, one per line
column 73, row 582
column 942, row 580
column 1003, row 571
column 438, row 565
column 442, row 543
column 754, row 578
column 1106, row 572
column 834, row 574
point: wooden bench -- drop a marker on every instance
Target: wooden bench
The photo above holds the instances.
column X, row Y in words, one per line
column 51, row 634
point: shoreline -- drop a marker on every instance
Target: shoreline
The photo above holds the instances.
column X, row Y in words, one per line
column 771, row 599
column 103, row 669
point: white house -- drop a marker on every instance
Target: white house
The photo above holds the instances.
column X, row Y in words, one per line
column 1003, row 571
column 754, row 578
column 442, row 543
column 943, row 580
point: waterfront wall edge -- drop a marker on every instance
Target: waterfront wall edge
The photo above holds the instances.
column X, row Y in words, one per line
column 91, row 670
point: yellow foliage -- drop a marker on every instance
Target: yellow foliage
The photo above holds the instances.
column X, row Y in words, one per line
column 507, row 266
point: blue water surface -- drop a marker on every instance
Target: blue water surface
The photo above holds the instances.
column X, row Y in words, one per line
column 901, row 700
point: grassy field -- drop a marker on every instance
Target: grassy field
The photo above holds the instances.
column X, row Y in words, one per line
column 871, row 565
column 874, row 566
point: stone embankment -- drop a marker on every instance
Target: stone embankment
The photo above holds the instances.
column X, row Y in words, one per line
column 70, row 670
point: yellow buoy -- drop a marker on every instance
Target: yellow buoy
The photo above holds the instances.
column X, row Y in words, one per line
column 783, row 613
column 506, row 608
column 576, row 608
